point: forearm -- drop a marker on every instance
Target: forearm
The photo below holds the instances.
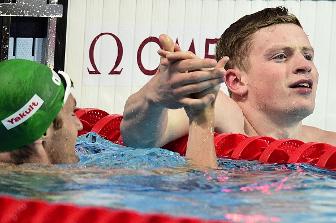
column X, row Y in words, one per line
column 144, row 122
column 201, row 150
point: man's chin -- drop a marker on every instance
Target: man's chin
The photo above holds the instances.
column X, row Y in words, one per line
column 72, row 159
column 301, row 113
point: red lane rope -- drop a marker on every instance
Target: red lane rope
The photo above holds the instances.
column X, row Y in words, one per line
column 268, row 150
column 13, row 210
column 235, row 146
column 109, row 128
column 89, row 117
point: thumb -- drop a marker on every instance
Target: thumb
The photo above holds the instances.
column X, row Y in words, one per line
column 222, row 62
column 167, row 43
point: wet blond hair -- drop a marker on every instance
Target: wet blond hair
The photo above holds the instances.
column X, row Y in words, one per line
column 236, row 40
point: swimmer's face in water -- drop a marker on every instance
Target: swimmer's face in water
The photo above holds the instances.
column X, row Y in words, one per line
column 61, row 135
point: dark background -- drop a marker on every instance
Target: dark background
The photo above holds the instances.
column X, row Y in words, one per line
column 33, row 27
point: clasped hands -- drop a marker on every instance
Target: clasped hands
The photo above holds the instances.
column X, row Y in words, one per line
column 185, row 80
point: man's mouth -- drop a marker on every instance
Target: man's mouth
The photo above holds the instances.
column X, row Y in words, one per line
column 302, row 84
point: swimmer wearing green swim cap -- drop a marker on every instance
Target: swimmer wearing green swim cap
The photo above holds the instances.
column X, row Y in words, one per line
column 38, row 124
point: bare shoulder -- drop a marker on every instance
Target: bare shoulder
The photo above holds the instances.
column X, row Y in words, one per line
column 228, row 115
column 314, row 134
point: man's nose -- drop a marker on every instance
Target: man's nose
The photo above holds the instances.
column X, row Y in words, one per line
column 79, row 124
column 302, row 65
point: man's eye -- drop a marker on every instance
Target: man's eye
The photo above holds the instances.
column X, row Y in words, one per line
column 309, row 57
column 279, row 57
column 73, row 113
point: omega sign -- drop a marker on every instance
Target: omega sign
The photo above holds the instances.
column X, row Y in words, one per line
column 117, row 70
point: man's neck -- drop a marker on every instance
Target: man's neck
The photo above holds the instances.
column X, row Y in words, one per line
column 279, row 126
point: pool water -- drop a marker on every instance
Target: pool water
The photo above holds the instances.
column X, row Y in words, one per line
column 159, row 181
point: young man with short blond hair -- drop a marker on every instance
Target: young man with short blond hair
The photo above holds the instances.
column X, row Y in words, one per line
column 271, row 77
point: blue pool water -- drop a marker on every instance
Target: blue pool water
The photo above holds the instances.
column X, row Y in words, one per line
column 159, row 181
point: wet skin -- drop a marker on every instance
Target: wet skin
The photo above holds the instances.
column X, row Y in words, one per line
column 60, row 142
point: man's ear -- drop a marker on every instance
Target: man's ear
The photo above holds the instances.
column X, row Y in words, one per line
column 236, row 82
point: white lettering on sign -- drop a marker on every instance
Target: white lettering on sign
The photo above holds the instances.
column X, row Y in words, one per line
column 24, row 113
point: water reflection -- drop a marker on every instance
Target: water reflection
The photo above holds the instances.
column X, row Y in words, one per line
column 155, row 180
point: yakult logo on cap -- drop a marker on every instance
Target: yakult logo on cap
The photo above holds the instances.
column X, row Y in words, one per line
column 28, row 110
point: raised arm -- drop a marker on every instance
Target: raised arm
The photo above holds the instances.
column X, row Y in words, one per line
column 145, row 115
column 201, row 149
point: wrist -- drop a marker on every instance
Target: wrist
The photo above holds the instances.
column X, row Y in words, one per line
column 205, row 116
column 151, row 94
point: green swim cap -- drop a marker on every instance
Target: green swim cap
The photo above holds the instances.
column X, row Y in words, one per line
column 31, row 96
